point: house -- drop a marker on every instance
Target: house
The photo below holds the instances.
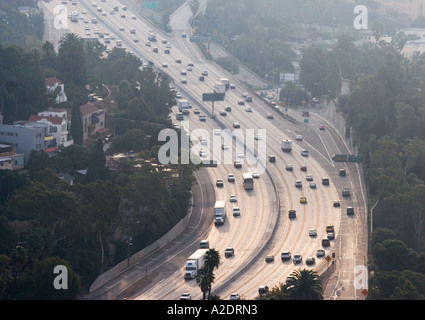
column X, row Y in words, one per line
column 58, row 127
column 9, row 159
column 93, row 119
column 52, row 84
column 27, row 136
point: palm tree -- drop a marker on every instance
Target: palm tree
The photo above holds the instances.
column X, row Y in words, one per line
column 211, row 261
column 204, row 278
column 305, row 285
column 71, row 58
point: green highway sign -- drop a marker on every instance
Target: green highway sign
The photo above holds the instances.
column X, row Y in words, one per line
column 149, row 5
column 198, row 39
column 213, row 96
column 353, row 158
column 340, row 158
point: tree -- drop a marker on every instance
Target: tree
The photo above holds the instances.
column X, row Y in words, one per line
column 71, row 58
column 305, row 285
column 211, row 261
column 97, row 163
column 76, row 124
column 38, row 160
column 204, row 279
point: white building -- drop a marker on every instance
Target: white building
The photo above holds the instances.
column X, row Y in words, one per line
column 52, row 84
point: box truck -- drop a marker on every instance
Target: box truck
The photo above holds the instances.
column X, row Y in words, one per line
column 220, row 212
column 194, row 263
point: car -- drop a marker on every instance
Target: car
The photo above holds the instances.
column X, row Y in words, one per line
column 313, row 185
column 168, row 45
column 289, row 167
column 133, row 31
column 228, row 109
column 203, row 141
column 183, row 72
column 263, row 290
column 236, row 211
column 248, row 109
column 224, row 147
column 330, row 228
column 184, row 35
column 164, row 41
column 232, row 86
column 202, row 117
column 229, row 252
column 236, row 125
column 272, row 158
column 342, row 172
column 241, row 102
column 204, row 73
column 122, row 15
column 201, row 78
column 147, row 43
column 336, row 204
column 202, row 154
column 257, row 136
column 269, row 258
column 223, row 113
column 304, row 153
column 189, row 68
column 178, row 60
column 219, row 183
column 240, row 155
column 248, row 99
column 164, row 65
column 350, row 211
column 269, row 116
column 310, row 261
column 231, row 177
column 292, row 214
column 303, row 167
column 233, row 198
column 155, row 49
column 244, row 94
column 309, row 177
column 312, row 233
column 299, row 137
column 133, row 17
column 286, row 255
column 196, row 111
column 331, row 235
column 320, row 253
column 298, row 184
column 237, row 164
column 325, row 181
column 303, row 200
column 255, row 175
column 345, row 192
column 235, row 296
column 186, row 296
column 326, row 242
column 184, row 80
column 190, row 64
column 297, row 259
column 217, row 132
column 322, row 127
column 204, row 244
column 137, row 40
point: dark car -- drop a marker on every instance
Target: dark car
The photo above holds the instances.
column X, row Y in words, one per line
column 292, row 214
column 297, row 259
column 219, row 183
column 350, row 211
column 229, row 252
column 237, row 164
column 342, row 172
column 326, row 242
column 286, row 255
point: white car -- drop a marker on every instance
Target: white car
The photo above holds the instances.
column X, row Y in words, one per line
column 217, row 132
column 248, row 109
column 235, row 296
column 186, row 296
column 233, row 198
column 299, row 137
column 298, row 184
column 312, row 233
column 236, row 211
column 257, row 136
column 255, row 175
column 231, row 177
column 204, row 141
column 240, row 155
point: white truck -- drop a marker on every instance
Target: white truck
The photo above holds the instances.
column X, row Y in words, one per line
column 226, row 82
column 219, row 87
column 183, row 106
column 220, row 212
column 286, row 145
column 194, row 263
column 74, row 16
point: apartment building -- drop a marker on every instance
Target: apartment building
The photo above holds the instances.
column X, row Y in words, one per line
column 412, row 8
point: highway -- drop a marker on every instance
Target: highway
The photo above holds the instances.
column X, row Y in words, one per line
column 263, row 227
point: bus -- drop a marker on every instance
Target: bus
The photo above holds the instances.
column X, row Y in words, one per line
column 248, row 181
